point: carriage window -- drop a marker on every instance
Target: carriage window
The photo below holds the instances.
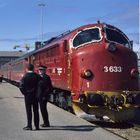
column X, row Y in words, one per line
column 116, row 36
column 86, row 36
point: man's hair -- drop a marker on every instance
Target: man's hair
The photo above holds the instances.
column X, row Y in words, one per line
column 30, row 67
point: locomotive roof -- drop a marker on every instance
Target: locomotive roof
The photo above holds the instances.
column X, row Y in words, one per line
column 61, row 36
column 67, row 33
column 55, row 38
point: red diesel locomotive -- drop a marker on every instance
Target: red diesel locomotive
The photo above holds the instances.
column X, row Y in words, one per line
column 93, row 70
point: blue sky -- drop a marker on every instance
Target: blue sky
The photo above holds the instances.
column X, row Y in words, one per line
column 20, row 20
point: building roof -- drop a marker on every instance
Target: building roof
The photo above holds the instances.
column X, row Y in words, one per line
column 11, row 53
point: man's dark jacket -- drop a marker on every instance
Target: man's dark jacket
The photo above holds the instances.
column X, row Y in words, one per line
column 29, row 83
column 44, row 87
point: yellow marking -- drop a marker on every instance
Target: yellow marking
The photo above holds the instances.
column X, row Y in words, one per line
column 124, row 98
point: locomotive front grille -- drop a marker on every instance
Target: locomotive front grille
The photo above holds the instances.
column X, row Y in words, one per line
column 114, row 100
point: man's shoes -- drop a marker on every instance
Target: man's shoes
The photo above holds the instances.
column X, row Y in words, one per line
column 45, row 125
column 27, row 128
column 37, row 128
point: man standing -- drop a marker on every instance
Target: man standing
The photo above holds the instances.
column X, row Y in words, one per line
column 28, row 87
column 44, row 89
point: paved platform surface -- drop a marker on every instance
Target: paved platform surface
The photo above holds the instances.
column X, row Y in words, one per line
column 64, row 126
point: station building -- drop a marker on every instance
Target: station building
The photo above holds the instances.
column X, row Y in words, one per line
column 7, row 56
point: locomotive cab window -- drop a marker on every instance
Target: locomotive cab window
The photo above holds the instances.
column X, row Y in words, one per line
column 86, row 36
column 116, row 36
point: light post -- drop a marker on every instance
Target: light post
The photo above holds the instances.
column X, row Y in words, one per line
column 41, row 5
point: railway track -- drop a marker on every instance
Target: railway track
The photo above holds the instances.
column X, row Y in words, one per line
column 126, row 130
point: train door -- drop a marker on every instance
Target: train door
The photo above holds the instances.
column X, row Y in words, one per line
column 67, row 64
column 30, row 59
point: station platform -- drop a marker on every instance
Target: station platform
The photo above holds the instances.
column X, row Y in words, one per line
column 64, row 125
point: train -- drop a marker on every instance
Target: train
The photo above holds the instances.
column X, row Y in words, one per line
column 93, row 69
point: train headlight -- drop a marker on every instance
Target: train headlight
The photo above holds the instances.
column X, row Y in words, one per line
column 134, row 73
column 86, row 74
column 111, row 47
